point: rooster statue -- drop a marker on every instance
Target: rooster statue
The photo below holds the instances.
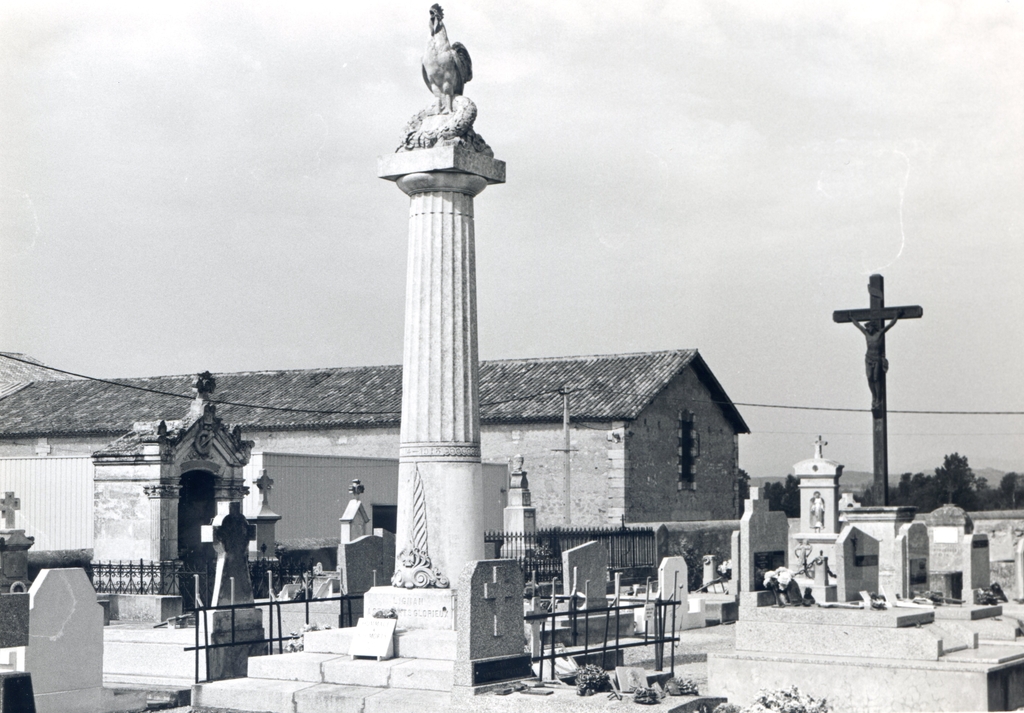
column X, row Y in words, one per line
column 446, row 67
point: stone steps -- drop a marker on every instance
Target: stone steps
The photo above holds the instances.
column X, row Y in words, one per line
column 304, row 666
column 142, row 656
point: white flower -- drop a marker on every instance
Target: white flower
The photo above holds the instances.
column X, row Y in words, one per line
column 785, row 576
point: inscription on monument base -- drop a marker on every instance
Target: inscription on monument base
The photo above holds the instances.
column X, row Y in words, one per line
column 416, row 608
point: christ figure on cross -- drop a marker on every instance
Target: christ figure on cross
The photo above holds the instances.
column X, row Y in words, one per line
column 875, row 362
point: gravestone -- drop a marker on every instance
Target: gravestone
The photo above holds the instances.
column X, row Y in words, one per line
column 489, row 631
column 520, row 515
column 65, row 643
column 585, row 569
column 819, row 492
column 763, row 538
column 1018, row 561
column 14, row 547
column 847, row 501
column 950, row 551
column 977, row 572
column 265, row 522
column 230, row 533
column 672, row 579
column 359, row 560
column 856, row 564
column 912, row 542
column 373, row 638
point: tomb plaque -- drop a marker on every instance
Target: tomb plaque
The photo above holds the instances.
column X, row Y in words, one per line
column 416, row 608
column 374, row 638
column 865, row 561
column 765, row 562
column 946, row 535
column 502, row 669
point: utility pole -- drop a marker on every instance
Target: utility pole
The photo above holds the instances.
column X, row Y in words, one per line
column 566, row 451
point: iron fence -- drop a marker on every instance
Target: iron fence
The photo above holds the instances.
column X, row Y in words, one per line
column 177, row 579
column 659, row 614
column 630, row 550
column 142, row 577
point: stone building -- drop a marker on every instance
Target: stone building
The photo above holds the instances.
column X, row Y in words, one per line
column 653, row 436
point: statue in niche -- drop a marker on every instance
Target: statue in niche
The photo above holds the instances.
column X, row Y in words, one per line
column 448, row 121
column 817, row 512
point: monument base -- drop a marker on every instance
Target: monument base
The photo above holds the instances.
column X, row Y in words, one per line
column 232, row 661
column 416, row 608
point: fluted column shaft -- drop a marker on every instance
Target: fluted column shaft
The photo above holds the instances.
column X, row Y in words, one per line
column 440, row 525
column 440, row 395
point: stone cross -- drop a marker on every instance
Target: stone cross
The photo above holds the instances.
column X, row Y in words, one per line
column 230, row 534
column 872, row 323
column 357, row 488
column 817, row 447
column 7, row 507
column 265, row 484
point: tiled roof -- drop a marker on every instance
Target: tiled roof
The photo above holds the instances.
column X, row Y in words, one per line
column 607, row 387
column 16, row 370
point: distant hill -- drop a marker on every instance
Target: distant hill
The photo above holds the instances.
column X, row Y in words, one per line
column 851, row 480
column 858, row 480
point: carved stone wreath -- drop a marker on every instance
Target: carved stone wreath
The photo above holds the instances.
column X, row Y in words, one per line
column 429, row 128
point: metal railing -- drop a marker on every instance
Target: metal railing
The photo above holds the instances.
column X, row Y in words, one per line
column 654, row 633
column 629, row 549
column 142, row 577
column 345, row 620
column 174, row 578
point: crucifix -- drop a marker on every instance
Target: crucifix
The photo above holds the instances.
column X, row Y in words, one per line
column 872, row 324
column 7, row 507
column 265, row 484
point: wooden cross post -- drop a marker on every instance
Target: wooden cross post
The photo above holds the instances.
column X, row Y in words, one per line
column 7, row 507
column 872, row 323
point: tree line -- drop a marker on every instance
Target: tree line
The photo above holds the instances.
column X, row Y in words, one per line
column 952, row 482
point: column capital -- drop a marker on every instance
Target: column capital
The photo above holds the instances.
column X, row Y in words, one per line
column 465, row 183
column 452, row 159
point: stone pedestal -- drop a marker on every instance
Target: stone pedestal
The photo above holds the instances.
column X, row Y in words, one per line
column 520, row 515
column 14, row 547
column 232, row 661
column 439, row 471
column 416, row 608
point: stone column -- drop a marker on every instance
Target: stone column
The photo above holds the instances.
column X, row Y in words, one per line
column 163, row 522
column 440, row 525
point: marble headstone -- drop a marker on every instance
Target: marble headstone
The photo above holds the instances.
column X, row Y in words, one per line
column 489, row 630
column 764, row 535
column 912, row 546
column 672, row 579
column 588, row 564
column 360, row 558
column 65, row 642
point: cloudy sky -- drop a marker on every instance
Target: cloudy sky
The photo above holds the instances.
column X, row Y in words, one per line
column 192, row 186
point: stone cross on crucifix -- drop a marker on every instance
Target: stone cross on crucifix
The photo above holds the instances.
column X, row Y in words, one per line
column 817, row 448
column 872, row 323
column 7, row 507
column 265, row 484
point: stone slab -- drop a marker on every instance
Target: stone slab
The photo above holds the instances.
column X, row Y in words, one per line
column 423, row 674
column 867, row 685
column 588, row 564
column 359, row 672
column 82, row 700
column 143, row 607
column 400, row 700
column 331, row 698
column 440, row 158
column 328, row 641
column 297, row 666
column 868, row 642
column 65, row 651
column 248, row 694
column 878, row 618
column 13, row 620
column 968, row 612
column 425, row 644
column 417, row 608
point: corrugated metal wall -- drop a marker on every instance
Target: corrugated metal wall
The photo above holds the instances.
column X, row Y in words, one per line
column 56, row 499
